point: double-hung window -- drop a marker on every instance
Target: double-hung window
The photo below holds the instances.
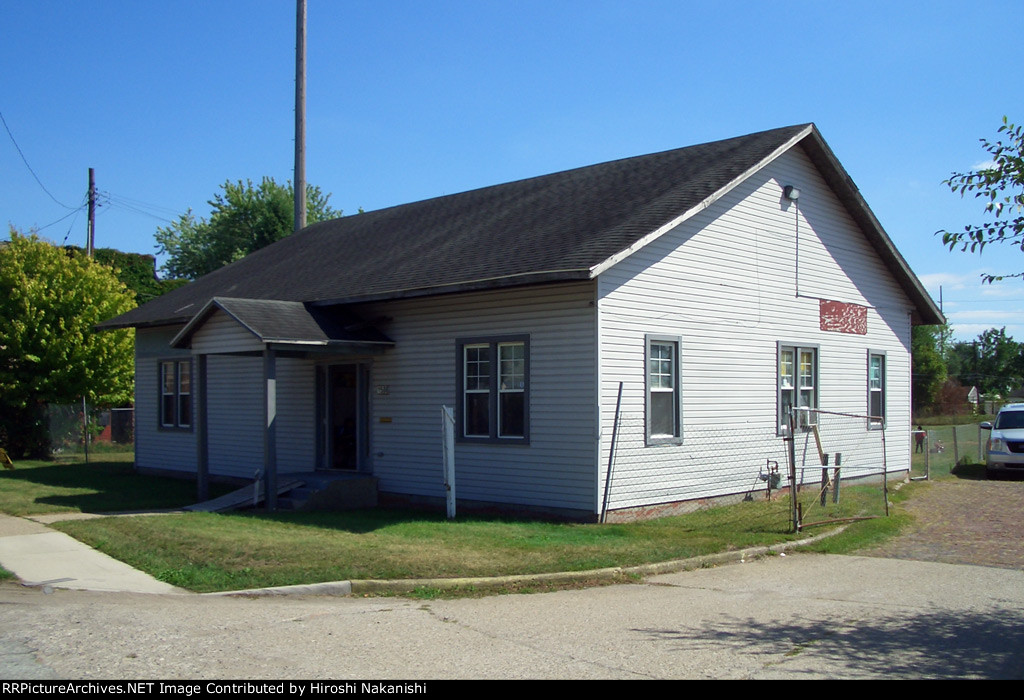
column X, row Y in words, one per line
column 176, row 394
column 494, row 389
column 798, row 384
column 876, row 389
column 664, row 398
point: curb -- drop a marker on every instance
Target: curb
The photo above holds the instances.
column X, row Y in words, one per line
column 399, row 586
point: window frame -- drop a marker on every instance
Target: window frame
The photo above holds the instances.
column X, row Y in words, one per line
column 676, row 343
column 494, row 391
column 881, row 390
column 796, row 389
column 175, row 423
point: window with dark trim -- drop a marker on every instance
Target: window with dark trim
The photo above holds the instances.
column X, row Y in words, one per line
column 176, row 394
column 797, row 384
column 663, row 398
column 876, row 390
column 494, row 389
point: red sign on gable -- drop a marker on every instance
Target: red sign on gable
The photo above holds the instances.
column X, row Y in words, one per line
column 839, row 317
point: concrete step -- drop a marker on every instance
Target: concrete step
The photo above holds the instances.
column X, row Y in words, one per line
column 326, row 491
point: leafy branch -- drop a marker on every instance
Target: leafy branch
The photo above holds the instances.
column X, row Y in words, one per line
column 1000, row 185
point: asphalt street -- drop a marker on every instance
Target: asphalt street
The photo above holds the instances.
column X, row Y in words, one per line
column 798, row 616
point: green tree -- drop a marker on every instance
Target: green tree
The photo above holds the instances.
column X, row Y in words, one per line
column 999, row 358
column 1000, row 185
column 929, row 369
column 993, row 362
column 50, row 299
column 136, row 270
column 244, row 218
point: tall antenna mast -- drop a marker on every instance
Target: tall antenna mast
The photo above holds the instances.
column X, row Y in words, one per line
column 300, row 114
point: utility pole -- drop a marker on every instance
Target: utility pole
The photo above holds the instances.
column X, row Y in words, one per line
column 300, row 114
column 942, row 330
column 90, row 241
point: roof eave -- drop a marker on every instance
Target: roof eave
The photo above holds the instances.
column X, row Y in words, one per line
column 113, row 325
column 484, row 284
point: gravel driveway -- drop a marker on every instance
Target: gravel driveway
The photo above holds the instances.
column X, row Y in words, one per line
column 963, row 521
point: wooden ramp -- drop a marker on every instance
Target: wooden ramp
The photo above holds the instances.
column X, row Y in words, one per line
column 242, row 497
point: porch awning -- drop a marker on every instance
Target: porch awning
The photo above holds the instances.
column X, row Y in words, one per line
column 290, row 325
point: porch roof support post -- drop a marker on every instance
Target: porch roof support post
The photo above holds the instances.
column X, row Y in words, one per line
column 270, row 428
column 202, row 453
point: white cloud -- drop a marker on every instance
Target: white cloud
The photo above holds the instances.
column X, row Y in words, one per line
column 984, row 165
column 987, row 315
column 972, row 307
column 1003, row 290
column 972, row 282
column 947, row 280
column 970, row 331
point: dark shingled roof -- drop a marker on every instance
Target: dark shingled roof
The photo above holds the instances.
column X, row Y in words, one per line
column 290, row 322
column 550, row 228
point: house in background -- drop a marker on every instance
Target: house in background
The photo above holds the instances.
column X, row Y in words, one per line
column 710, row 286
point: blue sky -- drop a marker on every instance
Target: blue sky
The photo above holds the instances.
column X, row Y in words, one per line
column 409, row 100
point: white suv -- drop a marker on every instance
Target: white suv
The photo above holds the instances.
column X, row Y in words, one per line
column 1006, row 443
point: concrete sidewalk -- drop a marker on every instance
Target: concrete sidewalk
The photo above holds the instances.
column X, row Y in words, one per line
column 43, row 557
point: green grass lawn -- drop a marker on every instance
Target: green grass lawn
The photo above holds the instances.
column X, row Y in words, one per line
column 211, row 552
column 214, row 552
column 35, row 487
column 859, row 535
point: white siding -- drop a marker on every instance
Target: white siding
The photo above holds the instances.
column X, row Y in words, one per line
column 221, row 333
column 234, row 405
column 235, row 409
column 296, row 415
column 157, row 447
column 726, row 282
column 556, row 469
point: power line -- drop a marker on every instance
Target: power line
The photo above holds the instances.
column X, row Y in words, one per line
column 25, row 160
column 52, row 223
column 136, row 210
column 137, row 206
column 70, row 226
column 140, row 203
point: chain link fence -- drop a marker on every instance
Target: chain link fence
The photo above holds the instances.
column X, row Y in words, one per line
column 80, row 432
column 835, row 466
column 843, row 468
column 938, row 449
column 713, row 465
